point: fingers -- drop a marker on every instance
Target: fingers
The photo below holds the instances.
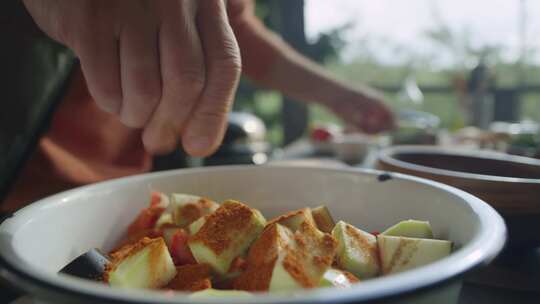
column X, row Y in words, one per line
column 97, row 48
column 182, row 73
column 370, row 116
column 140, row 71
column 206, row 127
column 100, row 64
column 376, row 118
column 174, row 74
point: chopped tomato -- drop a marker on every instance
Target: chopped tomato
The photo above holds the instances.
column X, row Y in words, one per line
column 321, row 135
column 180, row 250
column 375, row 233
column 146, row 220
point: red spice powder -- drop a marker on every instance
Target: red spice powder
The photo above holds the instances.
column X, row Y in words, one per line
column 261, row 259
column 294, row 266
column 128, row 250
column 191, row 278
column 229, row 219
column 351, row 277
column 286, row 219
column 361, row 242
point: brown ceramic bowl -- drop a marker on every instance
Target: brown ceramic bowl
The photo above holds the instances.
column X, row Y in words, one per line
column 511, row 184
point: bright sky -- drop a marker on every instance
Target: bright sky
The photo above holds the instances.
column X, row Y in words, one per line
column 403, row 21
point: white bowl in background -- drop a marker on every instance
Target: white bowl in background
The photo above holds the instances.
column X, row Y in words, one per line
column 353, row 148
column 42, row 238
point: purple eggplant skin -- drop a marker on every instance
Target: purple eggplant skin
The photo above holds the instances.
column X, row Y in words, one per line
column 90, row 265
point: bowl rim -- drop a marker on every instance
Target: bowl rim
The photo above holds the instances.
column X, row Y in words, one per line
column 386, row 155
column 482, row 249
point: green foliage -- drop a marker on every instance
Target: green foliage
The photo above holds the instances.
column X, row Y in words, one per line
column 530, row 106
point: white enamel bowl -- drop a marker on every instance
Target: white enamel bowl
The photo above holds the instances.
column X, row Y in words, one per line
column 40, row 239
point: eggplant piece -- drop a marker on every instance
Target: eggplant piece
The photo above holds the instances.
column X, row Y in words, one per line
column 90, row 265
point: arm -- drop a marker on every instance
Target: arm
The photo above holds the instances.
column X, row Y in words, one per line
column 271, row 62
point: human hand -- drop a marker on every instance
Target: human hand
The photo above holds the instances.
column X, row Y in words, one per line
column 169, row 67
column 364, row 110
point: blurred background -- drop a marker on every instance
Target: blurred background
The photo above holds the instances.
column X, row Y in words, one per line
column 459, row 73
column 470, row 63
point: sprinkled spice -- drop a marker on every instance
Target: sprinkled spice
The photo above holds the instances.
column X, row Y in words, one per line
column 191, row 212
column 261, row 259
column 129, row 250
column 230, row 218
column 293, row 219
column 320, row 246
column 351, row 277
column 136, row 237
column 399, row 256
column 360, row 241
column 191, row 278
column 294, row 266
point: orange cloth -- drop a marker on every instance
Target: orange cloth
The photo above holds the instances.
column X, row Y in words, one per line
column 84, row 145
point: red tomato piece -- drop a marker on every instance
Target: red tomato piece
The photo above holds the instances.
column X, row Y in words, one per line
column 146, row 220
column 321, row 134
column 180, row 250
